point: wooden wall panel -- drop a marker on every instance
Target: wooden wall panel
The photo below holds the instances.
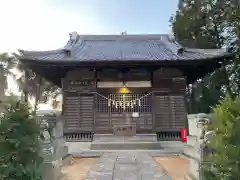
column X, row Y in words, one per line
column 178, row 114
column 71, row 113
column 170, row 112
column 162, row 112
column 82, row 80
column 137, row 75
column 179, row 84
column 86, row 112
column 78, row 113
column 109, row 75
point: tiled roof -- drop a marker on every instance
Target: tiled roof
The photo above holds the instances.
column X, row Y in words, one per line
column 122, row 48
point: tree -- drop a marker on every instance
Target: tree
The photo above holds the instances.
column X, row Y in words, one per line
column 20, row 146
column 210, row 24
column 224, row 162
column 7, row 63
column 35, row 86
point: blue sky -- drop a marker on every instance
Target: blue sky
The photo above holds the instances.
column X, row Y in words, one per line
column 45, row 24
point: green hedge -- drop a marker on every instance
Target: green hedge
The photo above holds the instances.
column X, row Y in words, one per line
column 19, row 144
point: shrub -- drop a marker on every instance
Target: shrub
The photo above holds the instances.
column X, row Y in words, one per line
column 19, row 141
column 224, row 162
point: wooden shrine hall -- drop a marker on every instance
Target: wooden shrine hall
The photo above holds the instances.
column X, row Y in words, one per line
column 116, row 80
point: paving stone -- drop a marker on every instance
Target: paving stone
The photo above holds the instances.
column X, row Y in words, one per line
column 126, row 166
column 165, row 177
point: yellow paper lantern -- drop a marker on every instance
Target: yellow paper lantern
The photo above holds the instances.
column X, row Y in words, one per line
column 124, row 90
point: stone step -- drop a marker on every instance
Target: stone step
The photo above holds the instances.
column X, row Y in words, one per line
column 143, row 145
column 137, row 137
column 98, row 153
column 124, row 145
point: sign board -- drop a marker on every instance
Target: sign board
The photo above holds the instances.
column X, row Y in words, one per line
column 135, row 114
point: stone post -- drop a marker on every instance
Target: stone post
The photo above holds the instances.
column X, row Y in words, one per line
column 53, row 148
column 198, row 128
column 60, row 149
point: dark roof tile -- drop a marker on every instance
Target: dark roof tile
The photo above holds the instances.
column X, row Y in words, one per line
column 122, row 48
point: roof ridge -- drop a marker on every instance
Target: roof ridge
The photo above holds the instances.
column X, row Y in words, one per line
column 207, row 51
column 172, row 45
column 26, row 52
column 121, row 37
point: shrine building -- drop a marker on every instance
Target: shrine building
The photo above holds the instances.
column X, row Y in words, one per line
column 116, row 80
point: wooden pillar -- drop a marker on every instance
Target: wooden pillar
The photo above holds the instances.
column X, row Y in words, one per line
column 95, row 99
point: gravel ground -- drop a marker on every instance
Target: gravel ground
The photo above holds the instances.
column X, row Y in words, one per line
column 78, row 168
column 175, row 167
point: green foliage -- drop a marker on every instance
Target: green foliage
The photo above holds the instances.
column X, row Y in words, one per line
column 7, row 63
column 211, row 24
column 224, row 162
column 44, row 91
column 19, row 141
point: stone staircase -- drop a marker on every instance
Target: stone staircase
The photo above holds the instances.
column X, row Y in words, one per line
column 125, row 145
column 137, row 142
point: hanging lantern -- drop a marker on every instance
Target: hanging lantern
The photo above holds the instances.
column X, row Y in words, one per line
column 124, row 90
column 109, row 103
column 128, row 104
column 139, row 102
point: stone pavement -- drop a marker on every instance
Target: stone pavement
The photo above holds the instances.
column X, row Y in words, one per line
column 126, row 166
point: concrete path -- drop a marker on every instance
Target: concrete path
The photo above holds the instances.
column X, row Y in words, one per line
column 126, row 166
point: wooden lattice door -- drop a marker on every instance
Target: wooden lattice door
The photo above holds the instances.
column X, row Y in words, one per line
column 116, row 109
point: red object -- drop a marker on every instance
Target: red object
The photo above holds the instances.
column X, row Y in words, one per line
column 183, row 135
